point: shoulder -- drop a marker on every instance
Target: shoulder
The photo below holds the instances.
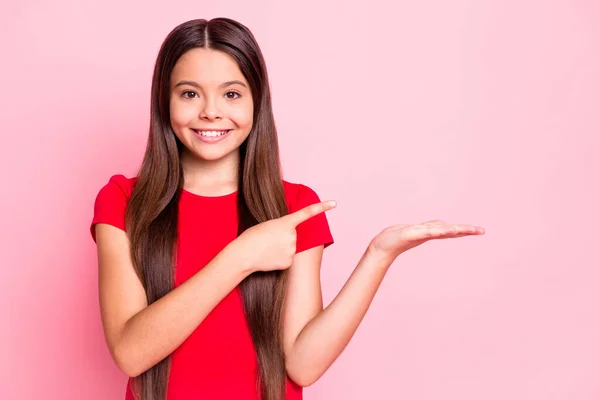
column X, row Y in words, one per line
column 120, row 183
column 299, row 195
column 314, row 231
column 111, row 202
column 115, row 193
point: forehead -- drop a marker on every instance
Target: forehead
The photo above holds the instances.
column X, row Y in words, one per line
column 207, row 67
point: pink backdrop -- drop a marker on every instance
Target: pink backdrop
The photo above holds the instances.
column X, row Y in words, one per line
column 470, row 111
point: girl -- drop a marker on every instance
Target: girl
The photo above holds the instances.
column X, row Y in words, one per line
column 209, row 262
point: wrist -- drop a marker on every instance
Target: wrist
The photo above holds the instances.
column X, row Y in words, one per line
column 240, row 258
column 379, row 257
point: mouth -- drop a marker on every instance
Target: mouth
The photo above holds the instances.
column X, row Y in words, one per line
column 212, row 136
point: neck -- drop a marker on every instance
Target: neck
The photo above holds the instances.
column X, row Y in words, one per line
column 210, row 178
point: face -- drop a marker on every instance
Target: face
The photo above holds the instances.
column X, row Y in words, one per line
column 211, row 105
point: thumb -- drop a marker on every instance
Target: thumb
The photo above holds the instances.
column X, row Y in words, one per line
column 308, row 212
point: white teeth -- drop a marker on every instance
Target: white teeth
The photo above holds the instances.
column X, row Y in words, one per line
column 212, row 133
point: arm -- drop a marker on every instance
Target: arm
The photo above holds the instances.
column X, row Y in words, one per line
column 313, row 337
column 139, row 336
column 311, row 351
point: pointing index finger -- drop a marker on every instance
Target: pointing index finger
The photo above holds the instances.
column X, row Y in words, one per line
column 308, row 212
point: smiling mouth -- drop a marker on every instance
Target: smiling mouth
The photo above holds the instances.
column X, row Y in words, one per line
column 212, row 133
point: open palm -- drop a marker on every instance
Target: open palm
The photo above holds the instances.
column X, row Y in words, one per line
column 397, row 239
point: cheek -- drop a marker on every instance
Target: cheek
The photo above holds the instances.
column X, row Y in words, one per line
column 242, row 116
column 181, row 114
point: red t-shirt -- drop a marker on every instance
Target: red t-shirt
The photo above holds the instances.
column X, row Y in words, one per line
column 217, row 361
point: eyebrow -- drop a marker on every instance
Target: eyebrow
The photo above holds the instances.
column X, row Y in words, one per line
column 221, row 86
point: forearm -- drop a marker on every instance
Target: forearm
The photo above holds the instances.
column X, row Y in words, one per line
column 324, row 338
column 157, row 330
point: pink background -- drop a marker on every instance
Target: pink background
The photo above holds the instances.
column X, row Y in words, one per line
column 470, row 111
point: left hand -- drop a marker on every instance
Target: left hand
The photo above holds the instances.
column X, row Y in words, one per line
column 395, row 240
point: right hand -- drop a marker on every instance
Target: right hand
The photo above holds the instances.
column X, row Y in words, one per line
column 271, row 245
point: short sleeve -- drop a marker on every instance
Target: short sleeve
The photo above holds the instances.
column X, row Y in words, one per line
column 110, row 204
column 315, row 231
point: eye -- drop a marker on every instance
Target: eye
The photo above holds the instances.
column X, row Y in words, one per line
column 189, row 93
column 232, row 95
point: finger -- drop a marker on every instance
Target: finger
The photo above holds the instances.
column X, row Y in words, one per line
column 462, row 230
column 458, row 235
column 308, row 212
column 419, row 232
column 469, row 229
column 434, row 222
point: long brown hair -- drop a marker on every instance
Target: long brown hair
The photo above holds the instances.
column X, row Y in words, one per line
column 152, row 210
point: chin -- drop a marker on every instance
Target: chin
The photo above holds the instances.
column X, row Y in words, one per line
column 213, row 155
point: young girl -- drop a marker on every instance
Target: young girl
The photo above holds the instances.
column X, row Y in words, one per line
column 209, row 261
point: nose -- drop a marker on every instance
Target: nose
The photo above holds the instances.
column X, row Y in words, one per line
column 210, row 111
